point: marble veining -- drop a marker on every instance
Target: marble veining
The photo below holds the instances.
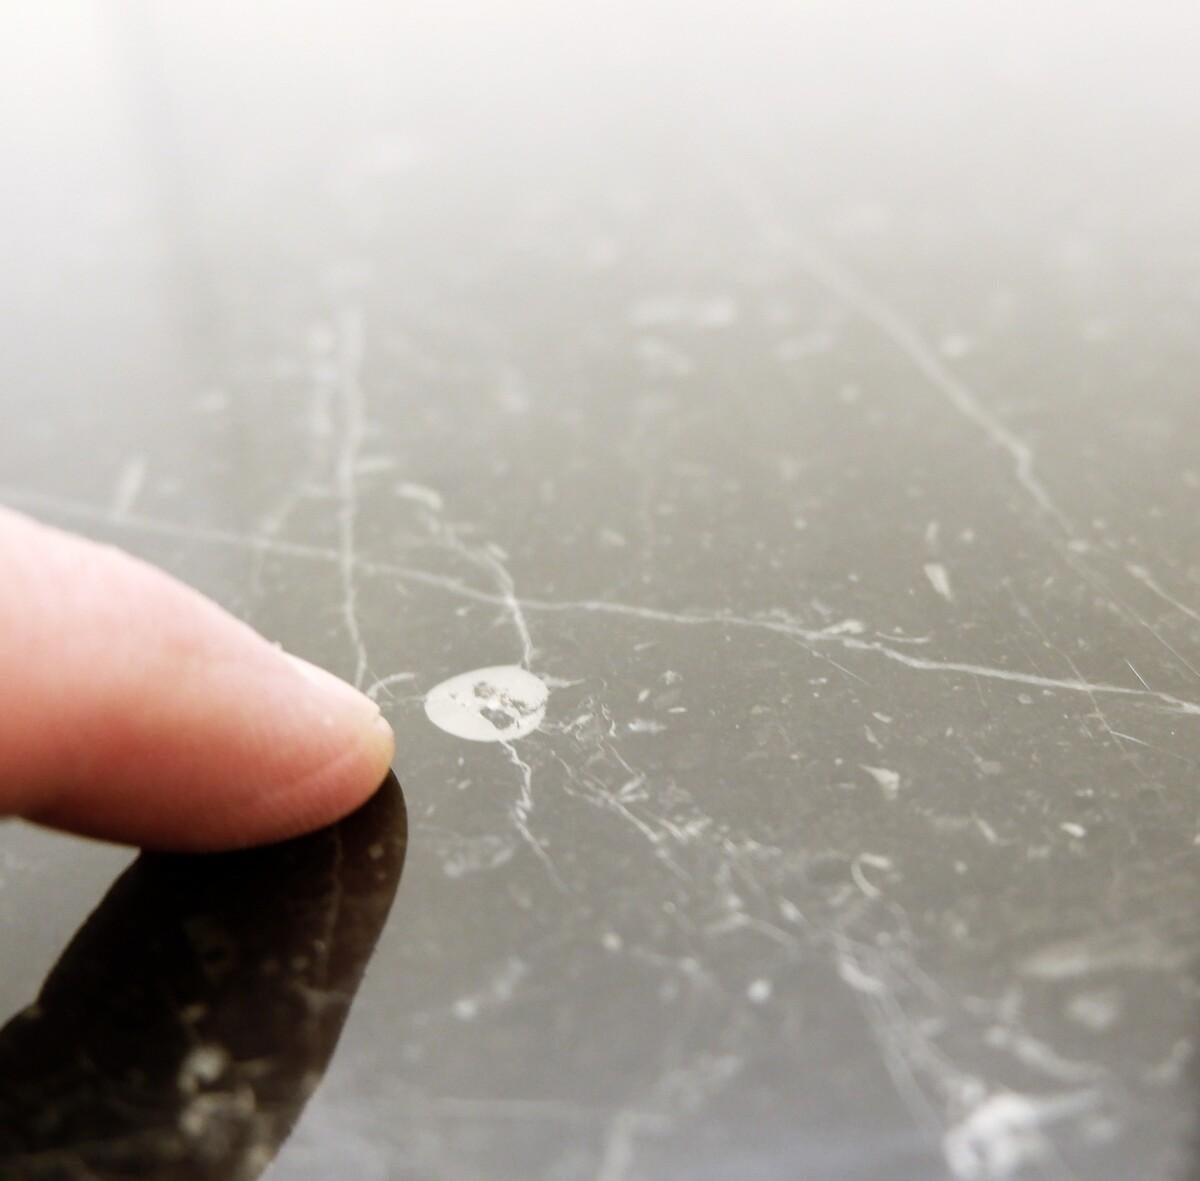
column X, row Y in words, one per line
column 804, row 512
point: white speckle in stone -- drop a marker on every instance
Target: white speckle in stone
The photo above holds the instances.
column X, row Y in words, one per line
column 939, row 579
column 497, row 704
column 646, row 726
column 1073, row 830
column 790, row 911
column 888, row 780
column 203, row 1066
column 1003, row 1134
column 418, row 493
column 1096, row 1010
column 759, row 992
column 847, row 627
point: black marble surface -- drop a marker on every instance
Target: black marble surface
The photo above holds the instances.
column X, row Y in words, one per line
column 808, row 396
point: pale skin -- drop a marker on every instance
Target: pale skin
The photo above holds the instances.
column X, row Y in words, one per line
column 135, row 710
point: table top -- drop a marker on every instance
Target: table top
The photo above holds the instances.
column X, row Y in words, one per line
column 804, row 401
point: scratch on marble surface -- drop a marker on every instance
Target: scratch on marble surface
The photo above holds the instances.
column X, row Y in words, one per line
column 521, row 810
column 486, row 556
column 680, row 1090
column 1151, row 584
column 313, row 475
column 1003, row 1135
column 858, row 872
column 838, row 280
column 1137, row 948
column 596, row 793
column 1113, row 736
column 985, row 1133
column 350, row 333
column 1101, row 585
column 1042, row 1058
column 956, row 392
column 851, row 642
column 385, row 684
column 900, row 1047
column 593, row 730
column 774, row 622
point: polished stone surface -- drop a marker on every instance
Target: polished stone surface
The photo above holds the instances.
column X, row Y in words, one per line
column 811, row 404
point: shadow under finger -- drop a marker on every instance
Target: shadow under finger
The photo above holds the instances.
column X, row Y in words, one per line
column 183, row 1029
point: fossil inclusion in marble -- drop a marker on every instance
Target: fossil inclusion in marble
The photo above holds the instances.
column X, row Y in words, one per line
column 497, row 704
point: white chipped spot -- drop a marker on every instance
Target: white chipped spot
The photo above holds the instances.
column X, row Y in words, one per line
column 497, row 704
column 759, row 992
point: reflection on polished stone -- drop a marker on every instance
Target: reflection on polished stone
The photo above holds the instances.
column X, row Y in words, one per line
column 182, row 1031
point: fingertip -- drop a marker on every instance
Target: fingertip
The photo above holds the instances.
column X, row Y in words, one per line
column 138, row 711
column 318, row 790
